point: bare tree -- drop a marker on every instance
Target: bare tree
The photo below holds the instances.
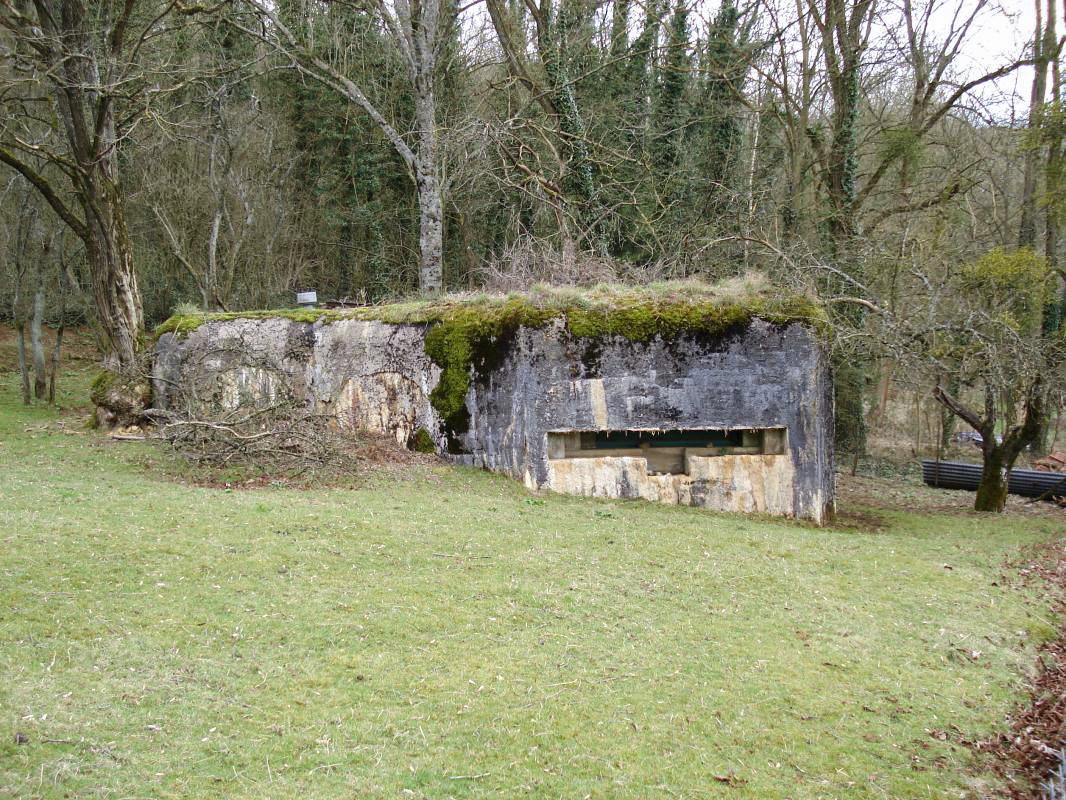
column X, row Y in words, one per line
column 28, row 255
column 419, row 29
column 74, row 89
column 27, row 221
column 234, row 166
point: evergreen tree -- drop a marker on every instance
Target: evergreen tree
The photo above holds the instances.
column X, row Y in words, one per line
column 352, row 175
column 724, row 74
column 672, row 110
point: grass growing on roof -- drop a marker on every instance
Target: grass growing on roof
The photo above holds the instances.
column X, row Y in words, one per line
column 451, row 635
column 636, row 312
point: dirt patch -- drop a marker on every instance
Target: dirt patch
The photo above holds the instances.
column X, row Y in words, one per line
column 862, row 495
column 79, row 347
column 853, row 520
column 1026, row 755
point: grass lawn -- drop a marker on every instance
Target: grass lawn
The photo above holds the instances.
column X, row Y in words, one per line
column 447, row 634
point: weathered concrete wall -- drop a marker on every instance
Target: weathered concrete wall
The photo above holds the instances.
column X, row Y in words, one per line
column 371, row 376
column 377, row 376
column 749, row 483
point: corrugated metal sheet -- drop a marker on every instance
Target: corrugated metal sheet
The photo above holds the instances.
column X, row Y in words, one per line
column 1026, row 482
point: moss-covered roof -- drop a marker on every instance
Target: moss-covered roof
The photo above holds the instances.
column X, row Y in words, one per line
column 636, row 312
column 466, row 328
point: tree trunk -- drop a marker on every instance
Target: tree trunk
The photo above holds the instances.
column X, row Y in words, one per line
column 885, row 391
column 947, row 418
column 578, row 177
column 1041, row 58
column 430, row 233
column 114, row 281
column 20, row 324
column 54, row 366
column 849, row 382
column 427, row 179
column 209, row 286
column 36, row 343
column 841, row 30
column 1053, row 172
column 24, row 369
column 992, row 490
column 210, row 280
column 999, row 456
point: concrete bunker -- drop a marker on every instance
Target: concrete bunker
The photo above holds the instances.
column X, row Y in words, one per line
column 718, row 403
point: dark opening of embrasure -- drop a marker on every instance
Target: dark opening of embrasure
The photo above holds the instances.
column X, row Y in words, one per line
column 667, row 450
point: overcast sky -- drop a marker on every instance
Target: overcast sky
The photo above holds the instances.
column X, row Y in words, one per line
column 1000, row 35
column 996, row 44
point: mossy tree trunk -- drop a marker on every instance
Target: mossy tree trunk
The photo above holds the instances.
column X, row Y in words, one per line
column 998, row 455
column 992, row 490
column 83, row 62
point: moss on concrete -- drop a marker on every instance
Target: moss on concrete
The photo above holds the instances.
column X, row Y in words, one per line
column 182, row 324
column 466, row 330
column 644, row 321
column 466, row 335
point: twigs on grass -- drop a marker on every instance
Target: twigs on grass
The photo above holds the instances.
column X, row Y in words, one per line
column 272, row 441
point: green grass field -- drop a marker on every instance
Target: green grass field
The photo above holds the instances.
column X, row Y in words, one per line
column 447, row 634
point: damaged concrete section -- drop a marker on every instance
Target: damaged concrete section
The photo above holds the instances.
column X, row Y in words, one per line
column 734, row 420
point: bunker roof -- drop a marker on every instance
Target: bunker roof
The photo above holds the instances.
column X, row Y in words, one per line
column 639, row 313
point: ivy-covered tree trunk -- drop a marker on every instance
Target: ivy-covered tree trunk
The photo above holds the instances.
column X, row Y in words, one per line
column 849, row 393
column 1052, row 318
column 579, row 179
column 723, row 98
column 1044, row 46
column 842, row 29
column 671, row 113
